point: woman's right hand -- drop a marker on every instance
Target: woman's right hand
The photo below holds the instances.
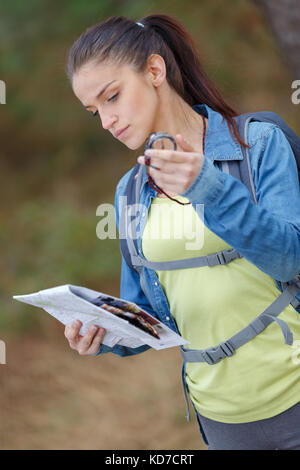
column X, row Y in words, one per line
column 87, row 344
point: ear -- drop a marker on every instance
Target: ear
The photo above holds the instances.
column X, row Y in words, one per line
column 156, row 69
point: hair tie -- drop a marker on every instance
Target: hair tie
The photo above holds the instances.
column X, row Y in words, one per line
column 140, row 24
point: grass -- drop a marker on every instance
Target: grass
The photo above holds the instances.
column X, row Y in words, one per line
column 52, row 244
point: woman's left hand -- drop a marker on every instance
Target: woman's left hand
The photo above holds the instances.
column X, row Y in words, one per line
column 175, row 170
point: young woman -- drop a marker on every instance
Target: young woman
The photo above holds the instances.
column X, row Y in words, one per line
column 145, row 77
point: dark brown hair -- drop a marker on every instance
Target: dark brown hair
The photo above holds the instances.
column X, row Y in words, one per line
column 121, row 40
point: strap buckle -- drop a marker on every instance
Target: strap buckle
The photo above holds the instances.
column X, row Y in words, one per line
column 296, row 302
column 296, row 280
column 214, row 355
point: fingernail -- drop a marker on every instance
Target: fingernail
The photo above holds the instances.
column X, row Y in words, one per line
column 148, row 153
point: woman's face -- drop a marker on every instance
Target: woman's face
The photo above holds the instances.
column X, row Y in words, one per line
column 121, row 97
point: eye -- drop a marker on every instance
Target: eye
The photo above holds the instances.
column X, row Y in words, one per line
column 114, row 97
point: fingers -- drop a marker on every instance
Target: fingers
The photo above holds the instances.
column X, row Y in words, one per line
column 96, row 342
column 72, row 333
column 184, row 144
column 90, row 342
column 170, row 162
column 155, row 167
column 167, row 166
column 87, row 344
column 168, row 155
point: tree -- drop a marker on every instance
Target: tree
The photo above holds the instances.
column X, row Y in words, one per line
column 283, row 17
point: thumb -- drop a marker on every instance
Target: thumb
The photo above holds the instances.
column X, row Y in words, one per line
column 184, row 144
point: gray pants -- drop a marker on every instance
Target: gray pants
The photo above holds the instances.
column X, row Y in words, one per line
column 281, row 432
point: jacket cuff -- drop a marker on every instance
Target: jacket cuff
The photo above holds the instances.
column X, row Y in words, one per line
column 103, row 349
column 208, row 185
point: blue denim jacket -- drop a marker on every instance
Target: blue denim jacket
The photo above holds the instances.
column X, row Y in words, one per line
column 266, row 234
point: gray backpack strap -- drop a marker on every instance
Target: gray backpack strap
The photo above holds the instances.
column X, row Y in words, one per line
column 185, row 391
column 241, row 169
column 130, row 196
column 128, row 244
column 227, row 348
column 222, row 257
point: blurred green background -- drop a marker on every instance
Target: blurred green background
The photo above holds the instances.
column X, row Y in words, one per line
column 57, row 165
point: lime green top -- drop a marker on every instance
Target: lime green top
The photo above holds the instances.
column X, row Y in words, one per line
column 209, row 305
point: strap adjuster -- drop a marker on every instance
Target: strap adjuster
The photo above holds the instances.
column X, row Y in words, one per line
column 221, row 258
column 227, row 348
column 136, row 260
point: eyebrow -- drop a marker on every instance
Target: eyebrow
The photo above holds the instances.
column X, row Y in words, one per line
column 101, row 92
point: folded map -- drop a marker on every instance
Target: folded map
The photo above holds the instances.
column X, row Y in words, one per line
column 126, row 324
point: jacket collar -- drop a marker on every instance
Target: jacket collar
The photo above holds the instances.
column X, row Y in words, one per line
column 219, row 144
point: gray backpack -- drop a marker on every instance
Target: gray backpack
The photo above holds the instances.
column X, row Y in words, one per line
column 239, row 169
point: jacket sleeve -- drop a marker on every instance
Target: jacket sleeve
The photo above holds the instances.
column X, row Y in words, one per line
column 130, row 289
column 266, row 234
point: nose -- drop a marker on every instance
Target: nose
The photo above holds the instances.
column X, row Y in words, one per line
column 107, row 121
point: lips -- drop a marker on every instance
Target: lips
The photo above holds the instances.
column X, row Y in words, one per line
column 120, row 131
